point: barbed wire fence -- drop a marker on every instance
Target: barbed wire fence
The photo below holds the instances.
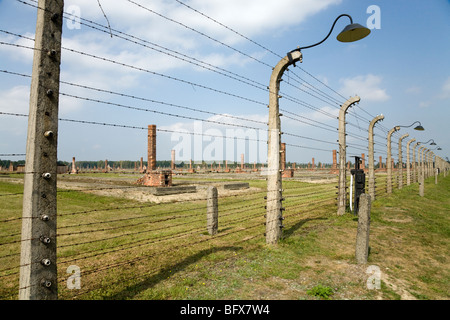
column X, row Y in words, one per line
column 124, row 243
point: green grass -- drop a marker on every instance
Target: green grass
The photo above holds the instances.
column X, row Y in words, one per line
column 132, row 250
column 320, row 291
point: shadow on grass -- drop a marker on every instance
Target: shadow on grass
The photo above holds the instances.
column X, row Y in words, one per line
column 131, row 291
column 290, row 231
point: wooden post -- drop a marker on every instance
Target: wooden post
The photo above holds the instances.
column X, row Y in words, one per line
column 38, row 273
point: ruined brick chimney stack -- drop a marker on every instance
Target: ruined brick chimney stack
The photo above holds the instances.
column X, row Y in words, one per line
column 154, row 178
column 172, row 165
column 151, row 151
column 283, row 156
column 287, row 173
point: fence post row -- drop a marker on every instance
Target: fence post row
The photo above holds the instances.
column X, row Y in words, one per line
column 342, row 188
column 38, row 279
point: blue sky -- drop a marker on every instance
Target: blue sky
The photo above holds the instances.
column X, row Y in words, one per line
column 400, row 70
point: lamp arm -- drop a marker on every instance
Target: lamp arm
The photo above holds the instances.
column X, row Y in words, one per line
column 427, row 141
column 410, row 125
column 332, row 27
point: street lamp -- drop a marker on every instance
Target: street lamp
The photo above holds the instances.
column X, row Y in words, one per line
column 419, row 127
column 432, row 144
column 351, row 32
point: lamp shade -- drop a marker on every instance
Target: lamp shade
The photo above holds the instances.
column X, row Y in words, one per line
column 353, row 32
column 419, row 127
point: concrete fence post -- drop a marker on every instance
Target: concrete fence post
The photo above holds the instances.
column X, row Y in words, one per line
column 421, row 164
column 400, row 161
column 421, row 184
column 426, row 164
column 342, row 190
column 408, row 162
column 371, row 156
column 430, row 163
column 38, row 272
column 414, row 168
column 212, row 211
column 274, row 184
column 389, row 160
column 362, row 235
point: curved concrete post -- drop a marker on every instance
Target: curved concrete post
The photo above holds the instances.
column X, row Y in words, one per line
column 408, row 164
column 426, row 164
column 421, row 172
column 430, row 163
column 342, row 192
column 274, row 186
column 419, row 160
column 371, row 156
column 414, row 168
column 400, row 161
column 422, row 164
column 389, row 160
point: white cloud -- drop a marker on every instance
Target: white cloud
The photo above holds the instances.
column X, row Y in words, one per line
column 424, row 104
column 249, row 17
column 15, row 100
column 443, row 93
column 18, row 53
column 414, row 90
column 365, row 86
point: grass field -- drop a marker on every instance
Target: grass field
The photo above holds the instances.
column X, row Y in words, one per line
column 127, row 249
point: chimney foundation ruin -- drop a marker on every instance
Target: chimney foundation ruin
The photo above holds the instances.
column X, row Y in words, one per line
column 152, row 176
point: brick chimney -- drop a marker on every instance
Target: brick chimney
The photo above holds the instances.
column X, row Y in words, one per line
column 151, row 151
